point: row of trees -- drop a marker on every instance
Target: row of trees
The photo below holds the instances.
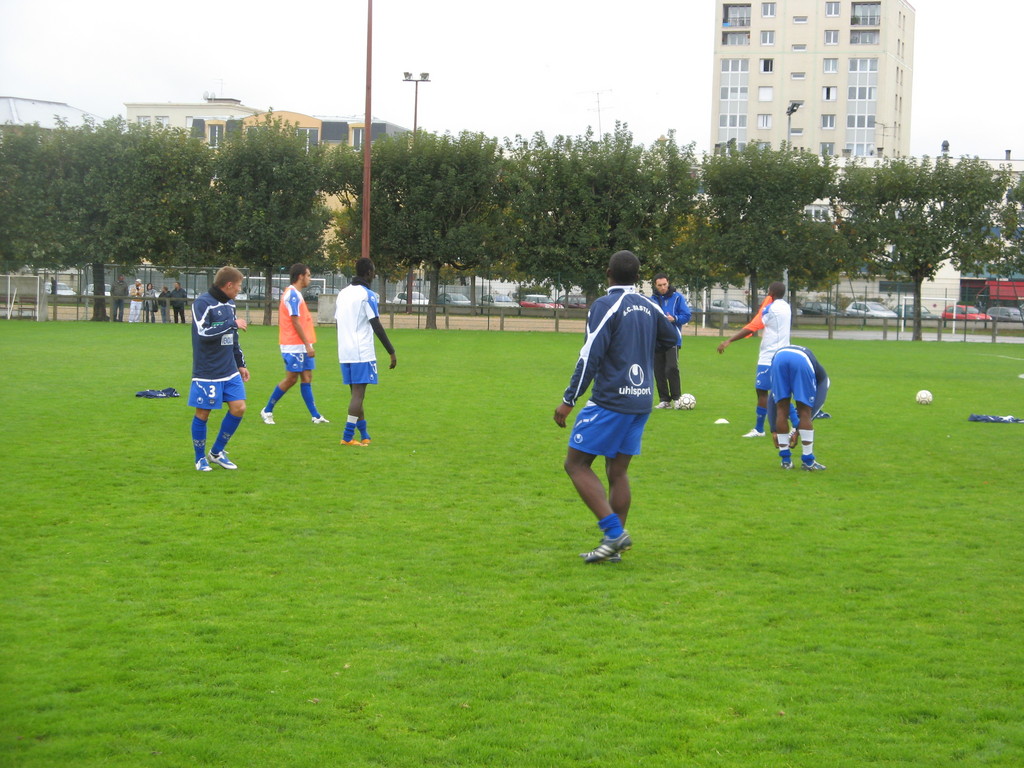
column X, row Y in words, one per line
column 526, row 209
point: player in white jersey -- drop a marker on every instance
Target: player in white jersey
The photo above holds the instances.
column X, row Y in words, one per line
column 775, row 318
column 358, row 319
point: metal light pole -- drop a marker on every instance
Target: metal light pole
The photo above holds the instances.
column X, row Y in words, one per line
column 423, row 78
column 793, row 107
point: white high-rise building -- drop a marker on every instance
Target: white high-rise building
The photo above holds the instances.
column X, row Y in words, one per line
column 832, row 77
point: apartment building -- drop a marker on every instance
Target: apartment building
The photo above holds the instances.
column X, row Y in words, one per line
column 832, row 77
column 214, row 117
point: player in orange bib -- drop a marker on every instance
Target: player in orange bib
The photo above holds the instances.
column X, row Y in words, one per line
column 296, row 335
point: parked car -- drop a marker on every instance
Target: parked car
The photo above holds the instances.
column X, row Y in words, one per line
column 312, row 292
column 539, row 301
column 868, row 309
column 1005, row 314
column 820, row 308
column 456, row 299
column 417, row 298
column 907, row 310
column 964, row 312
column 732, row 307
column 498, row 300
column 573, row 301
column 63, row 289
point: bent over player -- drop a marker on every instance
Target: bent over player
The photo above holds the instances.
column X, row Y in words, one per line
column 218, row 367
column 796, row 374
column 358, row 321
column 624, row 329
column 296, row 336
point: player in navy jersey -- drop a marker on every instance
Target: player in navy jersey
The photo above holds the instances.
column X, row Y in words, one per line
column 624, row 329
column 796, row 376
column 218, row 367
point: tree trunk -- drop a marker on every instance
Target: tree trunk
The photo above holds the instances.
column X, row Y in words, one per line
column 99, row 303
column 268, row 308
column 917, row 335
column 434, row 274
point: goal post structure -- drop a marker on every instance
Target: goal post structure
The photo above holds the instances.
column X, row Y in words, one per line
column 22, row 296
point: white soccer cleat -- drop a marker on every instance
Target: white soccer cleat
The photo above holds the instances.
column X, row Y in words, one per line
column 754, row 433
column 317, row 420
column 268, row 417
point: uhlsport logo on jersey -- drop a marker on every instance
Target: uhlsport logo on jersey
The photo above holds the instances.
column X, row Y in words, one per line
column 636, row 381
column 577, row 438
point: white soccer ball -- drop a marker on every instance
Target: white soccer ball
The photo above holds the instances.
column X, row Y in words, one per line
column 924, row 397
column 686, row 402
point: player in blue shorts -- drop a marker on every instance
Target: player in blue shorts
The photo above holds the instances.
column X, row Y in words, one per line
column 624, row 329
column 296, row 336
column 358, row 321
column 218, row 367
column 796, row 375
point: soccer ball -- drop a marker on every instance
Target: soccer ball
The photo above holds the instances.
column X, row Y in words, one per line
column 924, row 397
column 686, row 402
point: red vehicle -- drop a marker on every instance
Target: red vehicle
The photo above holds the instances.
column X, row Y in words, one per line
column 964, row 312
column 536, row 300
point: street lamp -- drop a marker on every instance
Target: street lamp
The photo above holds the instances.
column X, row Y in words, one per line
column 423, row 78
column 793, row 107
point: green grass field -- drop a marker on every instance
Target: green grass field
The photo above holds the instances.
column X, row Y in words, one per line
column 421, row 602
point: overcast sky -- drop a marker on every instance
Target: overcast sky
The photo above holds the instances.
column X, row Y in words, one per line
column 556, row 66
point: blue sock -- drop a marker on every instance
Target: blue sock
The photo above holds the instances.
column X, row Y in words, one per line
column 786, row 455
column 361, row 424
column 611, row 526
column 761, row 413
column 227, row 429
column 199, row 437
column 307, row 395
column 350, row 429
column 808, row 458
column 277, row 395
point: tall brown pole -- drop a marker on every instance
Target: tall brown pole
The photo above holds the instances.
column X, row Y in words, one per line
column 367, row 130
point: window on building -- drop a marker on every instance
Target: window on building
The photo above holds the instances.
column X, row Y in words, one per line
column 828, row 148
column 357, row 137
column 311, row 135
column 828, row 122
column 863, row 65
column 830, row 93
column 864, row 37
column 831, row 37
column 767, row 65
column 768, row 10
column 736, row 15
column 830, row 66
column 144, row 120
column 796, row 132
column 799, row 19
column 735, row 65
column 860, row 121
column 765, row 93
column 732, row 121
column 735, row 38
column 866, row 14
column 216, row 135
column 798, row 76
column 799, row 46
column 164, row 121
column 832, row 9
column 764, row 122
column 767, row 37
column 733, row 93
column 862, row 93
